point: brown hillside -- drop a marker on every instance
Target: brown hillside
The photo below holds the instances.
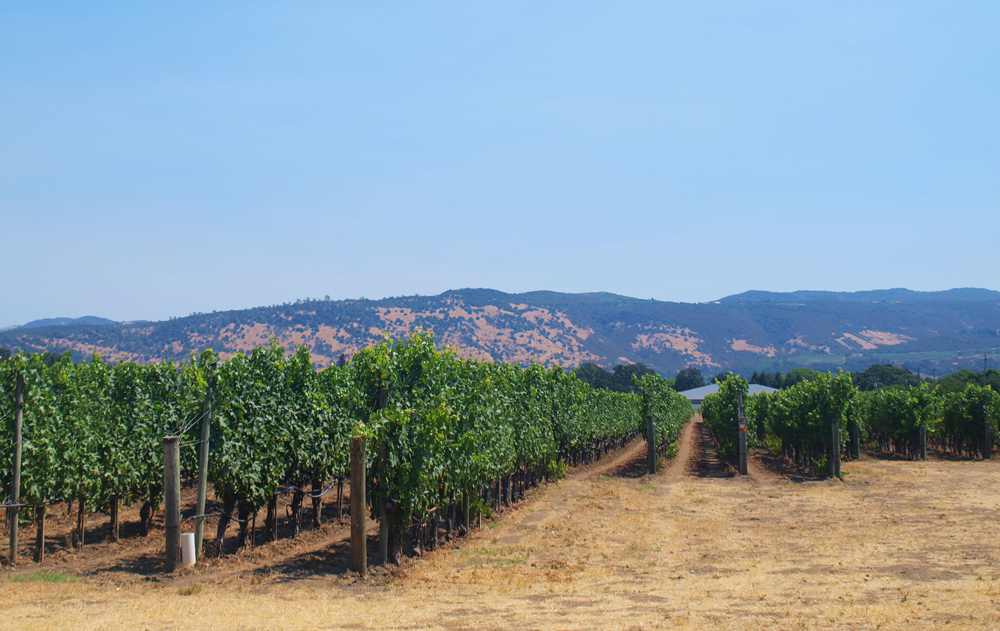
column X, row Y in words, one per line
column 566, row 329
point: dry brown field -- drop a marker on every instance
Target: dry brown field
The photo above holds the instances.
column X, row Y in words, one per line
column 896, row 545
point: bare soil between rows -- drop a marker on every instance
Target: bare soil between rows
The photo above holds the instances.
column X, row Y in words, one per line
column 897, row 544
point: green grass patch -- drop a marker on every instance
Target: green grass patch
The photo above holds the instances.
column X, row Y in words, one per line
column 44, row 577
column 647, row 487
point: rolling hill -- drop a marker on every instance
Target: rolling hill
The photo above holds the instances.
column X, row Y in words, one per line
column 933, row 331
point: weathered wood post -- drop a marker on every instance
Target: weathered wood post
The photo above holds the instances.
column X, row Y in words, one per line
column 317, row 503
column 15, row 484
column 380, row 496
column 206, row 428
column 988, row 433
column 359, row 521
column 465, row 513
column 744, row 470
column 40, row 533
column 651, row 444
column 113, row 514
column 833, row 466
column 923, row 441
column 81, row 521
column 855, row 440
column 172, row 498
column 987, row 439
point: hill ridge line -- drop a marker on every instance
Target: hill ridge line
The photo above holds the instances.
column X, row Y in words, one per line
column 569, row 329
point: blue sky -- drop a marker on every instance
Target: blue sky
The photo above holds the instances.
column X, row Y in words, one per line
column 156, row 161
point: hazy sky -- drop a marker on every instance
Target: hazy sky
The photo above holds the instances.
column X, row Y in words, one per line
column 159, row 161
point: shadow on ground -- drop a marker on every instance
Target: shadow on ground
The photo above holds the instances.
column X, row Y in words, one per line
column 141, row 565
column 633, row 468
column 705, row 461
column 781, row 467
column 334, row 560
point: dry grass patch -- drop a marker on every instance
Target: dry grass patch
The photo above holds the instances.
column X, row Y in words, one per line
column 903, row 545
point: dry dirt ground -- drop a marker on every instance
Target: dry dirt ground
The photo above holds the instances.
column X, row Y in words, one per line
column 897, row 545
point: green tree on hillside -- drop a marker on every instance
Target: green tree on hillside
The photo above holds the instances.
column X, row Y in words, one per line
column 619, row 380
column 688, row 378
column 880, row 375
column 593, row 374
column 956, row 381
column 766, row 379
column 623, row 374
column 798, row 375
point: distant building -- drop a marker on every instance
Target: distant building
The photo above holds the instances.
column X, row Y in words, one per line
column 697, row 395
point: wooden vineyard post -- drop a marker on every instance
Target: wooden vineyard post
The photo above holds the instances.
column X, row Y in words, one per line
column 383, row 521
column 40, row 533
column 855, row 441
column 744, row 470
column 15, row 485
column 834, row 463
column 113, row 513
column 81, row 521
column 317, row 502
column 988, row 431
column 465, row 513
column 923, row 441
column 206, row 428
column 987, row 440
column 651, row 444
column 172, row 497
column 359, row 525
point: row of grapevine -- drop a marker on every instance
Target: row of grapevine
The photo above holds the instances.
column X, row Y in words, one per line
column 451, row 428
column 670, row 409
column 720, row 412
column 798, row 421
column 964, row 414
column 93, row 431
column 964, row 422
column 891, row 418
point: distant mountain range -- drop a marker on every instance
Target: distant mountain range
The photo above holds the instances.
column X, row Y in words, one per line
column 932, row 331
column 878, row 295
column 64, row 321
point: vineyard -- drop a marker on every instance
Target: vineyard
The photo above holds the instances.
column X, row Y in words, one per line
column 690, row 546
column 815, row 421
column 445, row 435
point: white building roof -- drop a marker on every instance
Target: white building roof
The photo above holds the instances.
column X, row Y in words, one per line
column 699, row 394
